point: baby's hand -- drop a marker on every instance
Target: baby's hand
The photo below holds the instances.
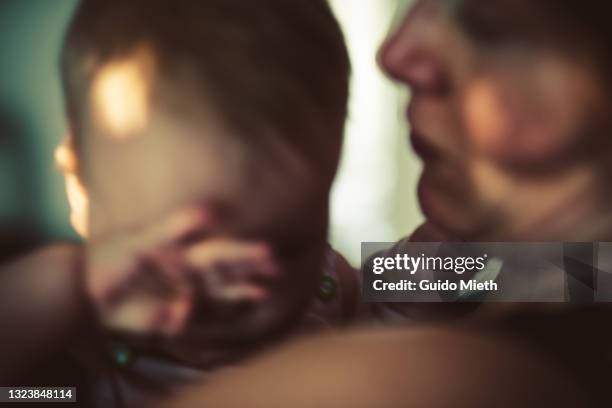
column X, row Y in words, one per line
column 147, row 282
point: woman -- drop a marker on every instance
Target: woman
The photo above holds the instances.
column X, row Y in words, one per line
column 510, row 113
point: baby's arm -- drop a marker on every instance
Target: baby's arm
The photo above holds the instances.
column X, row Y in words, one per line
column 40, row 307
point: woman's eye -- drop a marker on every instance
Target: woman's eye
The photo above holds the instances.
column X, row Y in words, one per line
column 495, row 23
column 485, row 29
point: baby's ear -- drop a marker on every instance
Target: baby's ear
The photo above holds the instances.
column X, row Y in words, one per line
column 66, row 160
column 65, row 156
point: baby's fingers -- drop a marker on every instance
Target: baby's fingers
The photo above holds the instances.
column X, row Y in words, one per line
column 149, row 316
column 235, row 259
column 176, row 227
column 241, row 292
column 225, row 286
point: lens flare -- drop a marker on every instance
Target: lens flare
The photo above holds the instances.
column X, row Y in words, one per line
column 120, row 94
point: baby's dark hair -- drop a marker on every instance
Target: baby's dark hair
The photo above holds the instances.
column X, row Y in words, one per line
column 266, row 67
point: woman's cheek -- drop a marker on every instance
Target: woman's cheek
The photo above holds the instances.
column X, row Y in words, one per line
column 524, row 121
column 489, row 122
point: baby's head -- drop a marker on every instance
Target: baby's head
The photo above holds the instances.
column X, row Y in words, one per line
column 233, row 105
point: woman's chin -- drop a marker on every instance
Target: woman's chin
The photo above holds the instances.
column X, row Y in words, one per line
column 448, row 217
column 438, row 224
column 430, row 232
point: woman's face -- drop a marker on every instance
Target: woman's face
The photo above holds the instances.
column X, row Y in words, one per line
column 501, row 123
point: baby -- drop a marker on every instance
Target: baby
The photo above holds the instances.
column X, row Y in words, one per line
column 199, row 130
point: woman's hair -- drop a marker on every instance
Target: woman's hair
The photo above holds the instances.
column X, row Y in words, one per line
column 266, row 66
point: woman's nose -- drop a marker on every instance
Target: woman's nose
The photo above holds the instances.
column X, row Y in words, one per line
column 410, row 56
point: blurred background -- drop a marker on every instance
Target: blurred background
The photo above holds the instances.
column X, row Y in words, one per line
column 374, row 195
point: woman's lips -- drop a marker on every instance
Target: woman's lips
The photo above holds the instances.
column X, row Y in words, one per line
column 421, row 147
